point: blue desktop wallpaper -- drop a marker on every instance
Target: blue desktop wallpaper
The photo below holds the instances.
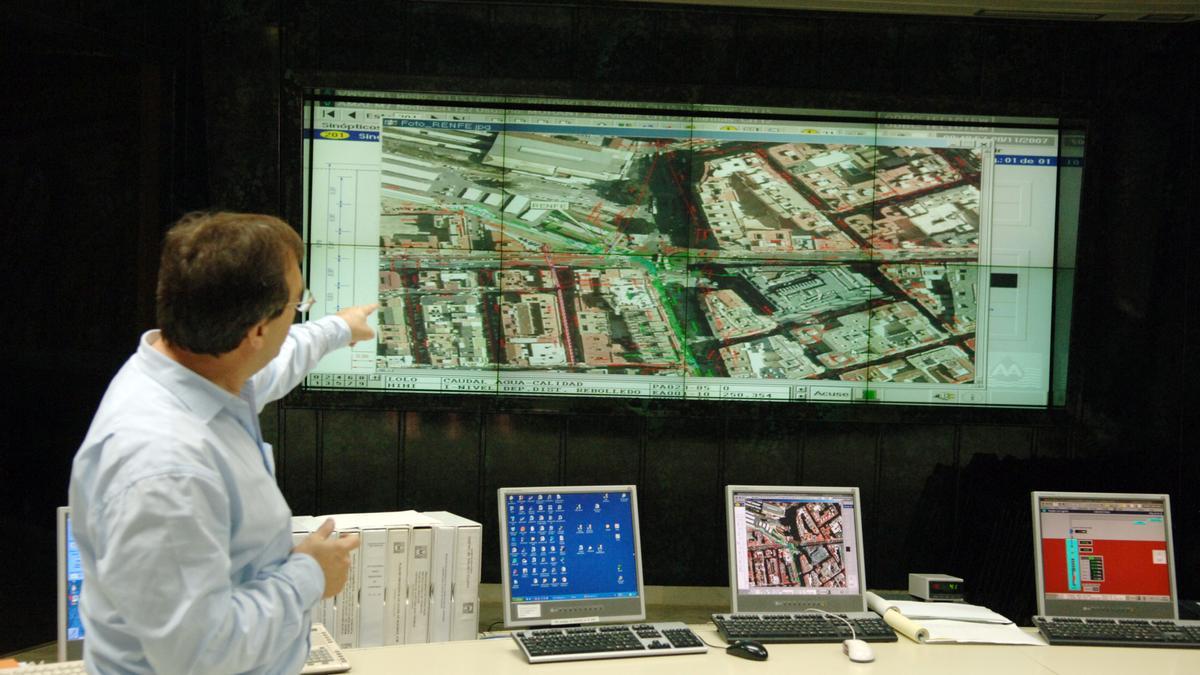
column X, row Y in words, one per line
column 571, row 546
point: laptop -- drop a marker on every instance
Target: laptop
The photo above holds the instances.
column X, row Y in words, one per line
column 1103, row 561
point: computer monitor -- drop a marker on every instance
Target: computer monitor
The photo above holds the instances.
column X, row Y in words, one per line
column 1104, row 555
column 792, row 548
column 70, row 585
column 570, row 555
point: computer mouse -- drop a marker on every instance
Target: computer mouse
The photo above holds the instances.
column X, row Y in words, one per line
column 858, row 651
column 747, row 649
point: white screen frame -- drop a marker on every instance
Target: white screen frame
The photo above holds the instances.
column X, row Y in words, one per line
column 1102, row 608
column 850, row 602
column 569, row 612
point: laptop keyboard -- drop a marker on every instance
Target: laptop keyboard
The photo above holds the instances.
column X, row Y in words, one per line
column 1119, row 632
column 806, row 627
column 608, row 642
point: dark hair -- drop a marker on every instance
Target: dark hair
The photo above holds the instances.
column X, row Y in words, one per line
column 220, row 274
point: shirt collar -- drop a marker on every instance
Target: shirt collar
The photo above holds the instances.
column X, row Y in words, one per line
column 200, row 395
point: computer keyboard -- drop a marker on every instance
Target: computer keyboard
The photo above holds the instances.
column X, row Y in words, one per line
column 608, row 642
column 324, row 655
column 1062, row 630
column 803, row 627
column 59, row 668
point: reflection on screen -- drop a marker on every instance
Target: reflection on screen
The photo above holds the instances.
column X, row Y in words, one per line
column 1104, row 550
column 795, row 544
column 571, row 546
column 684, row 254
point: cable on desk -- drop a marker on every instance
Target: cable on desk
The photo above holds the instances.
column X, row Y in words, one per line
column 838, row 617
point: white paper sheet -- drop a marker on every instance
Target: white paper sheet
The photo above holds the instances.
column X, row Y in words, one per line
column 949, row 623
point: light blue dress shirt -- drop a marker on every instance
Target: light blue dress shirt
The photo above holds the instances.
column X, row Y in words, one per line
column 184, row 535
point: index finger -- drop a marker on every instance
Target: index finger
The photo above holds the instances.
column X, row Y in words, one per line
column 347, row 542
column 325, row 529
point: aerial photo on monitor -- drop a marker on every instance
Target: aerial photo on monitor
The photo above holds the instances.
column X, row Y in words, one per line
column 797, row 544
column 609, row 254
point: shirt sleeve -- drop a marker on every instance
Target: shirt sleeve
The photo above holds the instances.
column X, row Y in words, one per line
column 178, row 598
column 306, row 344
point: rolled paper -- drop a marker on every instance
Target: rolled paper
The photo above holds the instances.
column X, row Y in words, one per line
column 905, row 626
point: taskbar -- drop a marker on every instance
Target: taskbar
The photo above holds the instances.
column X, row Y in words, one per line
column 692, row 388
column 573, row 596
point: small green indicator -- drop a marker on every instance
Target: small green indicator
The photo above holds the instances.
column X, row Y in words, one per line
column 868, row 394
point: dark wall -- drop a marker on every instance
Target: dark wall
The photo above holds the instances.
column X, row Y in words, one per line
column 121, row 119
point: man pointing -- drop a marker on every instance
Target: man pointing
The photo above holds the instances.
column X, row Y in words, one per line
column 183, row 533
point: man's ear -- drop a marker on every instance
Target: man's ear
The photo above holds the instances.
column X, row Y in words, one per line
column 256, row 336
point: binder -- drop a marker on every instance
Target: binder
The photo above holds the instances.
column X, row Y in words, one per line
column 441, row 572
column 371, row 601
column 396, row 589
column 464, row 595
column 362, row 604
column 345, row 602
column 416, row 627
column 383, row 607
column 407, row 584
column 414, row 578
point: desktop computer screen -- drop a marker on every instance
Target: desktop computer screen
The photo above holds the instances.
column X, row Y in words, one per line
column 570, row 555
column 794, row 547
column 1104, row 555
column 550, row 247
column 70, row 586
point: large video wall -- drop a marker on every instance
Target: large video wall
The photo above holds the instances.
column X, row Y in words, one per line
column 585, row 248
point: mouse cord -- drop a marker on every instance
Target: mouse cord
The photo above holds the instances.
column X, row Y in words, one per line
column 836, row 616
column 724, row 646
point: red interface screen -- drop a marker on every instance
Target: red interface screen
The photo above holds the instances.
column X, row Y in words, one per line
column 1105, row 550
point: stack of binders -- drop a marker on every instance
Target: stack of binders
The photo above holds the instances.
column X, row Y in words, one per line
column 414, row 578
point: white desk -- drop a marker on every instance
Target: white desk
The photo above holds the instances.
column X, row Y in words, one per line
column 501, row 656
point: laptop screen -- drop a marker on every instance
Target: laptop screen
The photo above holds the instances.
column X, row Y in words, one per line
column 795, row 547
column 1104, row 555
column 570, row 555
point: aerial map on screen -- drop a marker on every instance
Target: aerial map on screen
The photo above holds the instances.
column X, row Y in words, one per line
column 795, row 544
column 539, row 252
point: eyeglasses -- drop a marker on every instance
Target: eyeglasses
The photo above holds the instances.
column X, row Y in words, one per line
column 305, row 304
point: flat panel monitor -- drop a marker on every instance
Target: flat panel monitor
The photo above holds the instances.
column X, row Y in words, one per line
column 1104, row 555
column 792, row 548
column 570, row 555
column 70, row 586
column 589, row 248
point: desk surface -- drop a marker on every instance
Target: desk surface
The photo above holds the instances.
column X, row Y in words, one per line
column 500, row 656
